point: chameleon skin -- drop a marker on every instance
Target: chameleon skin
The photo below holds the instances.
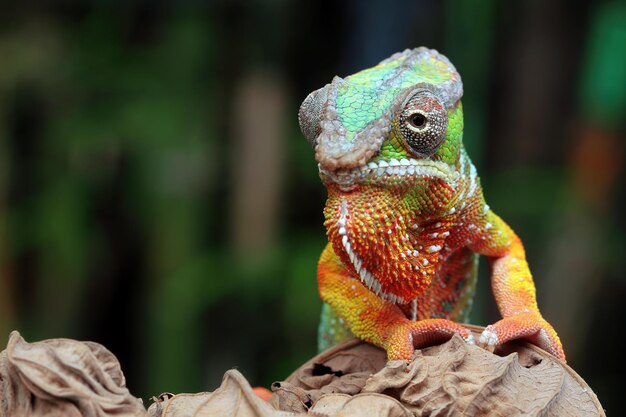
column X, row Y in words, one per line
column 406, row 217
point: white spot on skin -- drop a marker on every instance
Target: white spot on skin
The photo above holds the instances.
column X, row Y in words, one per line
column 425, row 261
column 488, row 226
column 473, row 181
column 488, row 337
column 434, row 248
column 463, row 163
column 452, row 210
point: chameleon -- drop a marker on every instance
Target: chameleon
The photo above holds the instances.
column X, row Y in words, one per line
column 406, row 217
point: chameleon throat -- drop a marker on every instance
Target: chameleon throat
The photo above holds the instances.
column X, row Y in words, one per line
column 366, row 277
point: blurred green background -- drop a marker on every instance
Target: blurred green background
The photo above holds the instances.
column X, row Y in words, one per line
column 156, row 194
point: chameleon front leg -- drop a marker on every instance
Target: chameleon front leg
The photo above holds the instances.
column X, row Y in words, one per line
column 375, row 320
column 513, row 288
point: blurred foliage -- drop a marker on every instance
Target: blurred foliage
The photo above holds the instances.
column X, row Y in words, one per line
column 157, row 196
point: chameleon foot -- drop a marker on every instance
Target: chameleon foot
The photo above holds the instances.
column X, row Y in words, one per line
column 409, row 335
column 528, row 326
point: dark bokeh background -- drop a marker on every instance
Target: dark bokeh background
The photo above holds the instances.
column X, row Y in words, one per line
column 156, row 195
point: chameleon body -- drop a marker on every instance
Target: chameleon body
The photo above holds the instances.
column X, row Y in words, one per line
column 406, row 218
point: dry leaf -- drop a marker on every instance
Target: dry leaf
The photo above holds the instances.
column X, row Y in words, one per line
column 63, row 377
column 233, row 398
column 67, row 378
column 452, row 379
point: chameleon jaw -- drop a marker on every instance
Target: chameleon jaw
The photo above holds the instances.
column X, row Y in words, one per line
column 385, row 170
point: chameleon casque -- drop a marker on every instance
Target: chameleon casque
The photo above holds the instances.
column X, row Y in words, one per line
column 406, row 217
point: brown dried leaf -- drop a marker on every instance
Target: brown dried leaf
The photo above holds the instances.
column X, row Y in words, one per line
column 233, row 398
column 365, row 405
column 62, row 377
column 338, row 370
column 452, row 379
column 75, row 379
column 288, row 397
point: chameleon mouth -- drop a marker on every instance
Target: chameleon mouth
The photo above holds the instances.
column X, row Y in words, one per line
column 382, row 170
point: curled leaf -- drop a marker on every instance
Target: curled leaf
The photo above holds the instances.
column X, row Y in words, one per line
column 63, row 377
column 235, row 397
column 451, row 379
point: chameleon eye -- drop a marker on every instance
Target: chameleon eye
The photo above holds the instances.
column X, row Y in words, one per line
column 310, row 114
column 417, row 121
column 423, row 122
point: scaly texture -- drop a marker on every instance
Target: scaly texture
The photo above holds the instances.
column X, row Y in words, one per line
column 405, row 215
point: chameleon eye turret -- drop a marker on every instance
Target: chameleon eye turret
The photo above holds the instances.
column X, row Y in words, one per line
column 422, row 123
column 310, row 115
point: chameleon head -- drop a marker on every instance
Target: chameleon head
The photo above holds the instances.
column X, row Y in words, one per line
column 387, row 141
